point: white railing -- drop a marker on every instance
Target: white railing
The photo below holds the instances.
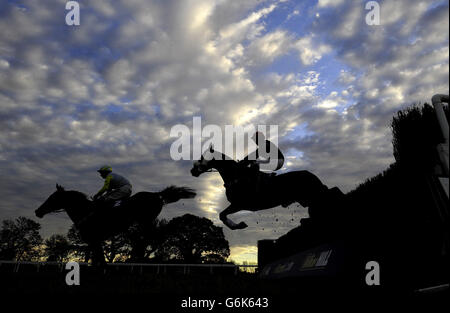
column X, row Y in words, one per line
column 160, row 268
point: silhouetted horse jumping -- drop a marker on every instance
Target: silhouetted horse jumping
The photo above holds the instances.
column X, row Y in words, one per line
column 96, row 224
column 273, row 190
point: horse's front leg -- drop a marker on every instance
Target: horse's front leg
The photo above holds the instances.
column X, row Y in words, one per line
column 232, row 225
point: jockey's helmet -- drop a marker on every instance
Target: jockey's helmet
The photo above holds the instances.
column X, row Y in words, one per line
column 105, row 169
column 258, row 137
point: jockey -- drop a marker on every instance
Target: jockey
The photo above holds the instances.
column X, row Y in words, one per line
column 263, row 154
column 116, row 186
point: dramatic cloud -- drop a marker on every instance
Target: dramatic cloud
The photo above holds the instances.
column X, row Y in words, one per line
column 109, row 91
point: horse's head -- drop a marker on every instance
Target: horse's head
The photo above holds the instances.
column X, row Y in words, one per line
column 204, row 164
column 53, row 203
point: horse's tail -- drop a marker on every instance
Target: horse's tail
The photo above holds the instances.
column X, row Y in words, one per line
column 174, row 193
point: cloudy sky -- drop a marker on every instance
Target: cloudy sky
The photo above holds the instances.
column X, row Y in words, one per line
column 73, row 98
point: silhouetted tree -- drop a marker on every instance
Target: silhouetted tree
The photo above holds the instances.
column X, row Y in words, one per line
column 19, row 239
column 115, row 246
column 111, row 248
column 57, row 248
column 145, row 240
column 194, row 239
column 79, row 247
column 136, row 244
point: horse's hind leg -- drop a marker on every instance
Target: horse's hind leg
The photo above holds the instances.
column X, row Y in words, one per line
column 98, row 258
column 232, row 225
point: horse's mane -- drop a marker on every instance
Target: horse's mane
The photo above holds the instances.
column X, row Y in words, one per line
column 220, row 156
column 78, row 194
column 73, row 194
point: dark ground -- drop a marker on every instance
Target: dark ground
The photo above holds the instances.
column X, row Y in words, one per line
column 164, row 292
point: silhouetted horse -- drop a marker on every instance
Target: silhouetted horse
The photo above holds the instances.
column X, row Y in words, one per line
column 273, row 190
column 96, row 224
